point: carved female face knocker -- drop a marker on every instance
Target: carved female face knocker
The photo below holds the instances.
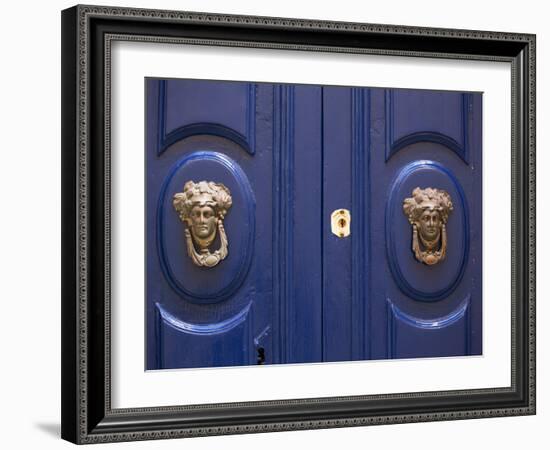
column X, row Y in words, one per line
column 428, row 210
column 202, row 207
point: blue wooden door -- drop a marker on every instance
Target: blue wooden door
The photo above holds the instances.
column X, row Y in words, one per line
column 388, row 152
column 274, row 284
column 260, row 304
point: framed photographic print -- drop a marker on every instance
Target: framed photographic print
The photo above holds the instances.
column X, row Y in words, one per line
column 415, row 208
column 276, row 224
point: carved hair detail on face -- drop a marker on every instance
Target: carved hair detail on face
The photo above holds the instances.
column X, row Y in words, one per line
column 203, row 193
column 429, row 198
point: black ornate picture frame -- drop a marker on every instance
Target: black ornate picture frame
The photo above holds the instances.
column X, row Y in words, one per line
column 87, row 35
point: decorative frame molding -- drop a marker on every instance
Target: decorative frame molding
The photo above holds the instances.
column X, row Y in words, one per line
column 87, row 34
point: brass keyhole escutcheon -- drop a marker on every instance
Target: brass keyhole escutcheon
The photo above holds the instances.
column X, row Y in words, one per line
column 340, row 220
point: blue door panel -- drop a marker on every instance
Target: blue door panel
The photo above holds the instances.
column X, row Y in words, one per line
column 420, row 281
column 289, row 289
column 203, row 345
column 191, row 107
column 424, row 116
column 199, row 296
column 413, row 337
column 337, row 264
column 192, row 283
column 345, row 260
column 300, row 282
column 404, row 292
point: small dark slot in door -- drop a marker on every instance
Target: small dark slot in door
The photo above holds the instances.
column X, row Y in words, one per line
column 261, row 355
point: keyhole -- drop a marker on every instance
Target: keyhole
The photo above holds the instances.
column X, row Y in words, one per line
column 340, row 222
column 261, row 356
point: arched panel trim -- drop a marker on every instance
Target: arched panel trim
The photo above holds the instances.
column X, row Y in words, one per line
column 426, row 136
column 395, row 145
column 397, row 316
column 164, row 140
column 203, row 329
column 429, row 324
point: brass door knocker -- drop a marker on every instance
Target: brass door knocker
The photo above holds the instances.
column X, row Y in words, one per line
column 202, row 207
column 428, row 210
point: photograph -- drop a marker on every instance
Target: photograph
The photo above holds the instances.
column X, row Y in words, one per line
column 293, row 223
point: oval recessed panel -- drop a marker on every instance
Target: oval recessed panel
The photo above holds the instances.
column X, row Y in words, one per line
column 415, row 279
column 206, row 284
